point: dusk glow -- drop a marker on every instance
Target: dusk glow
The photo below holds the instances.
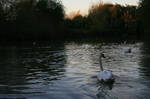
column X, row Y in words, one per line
column 83, row 5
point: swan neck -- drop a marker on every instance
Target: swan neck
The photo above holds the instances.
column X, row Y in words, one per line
column 100, row 62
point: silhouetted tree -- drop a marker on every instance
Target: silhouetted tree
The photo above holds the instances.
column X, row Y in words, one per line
column 31, row 19
column 44, row 20
column 109, row 19
column 144, row 14
column 6, row 15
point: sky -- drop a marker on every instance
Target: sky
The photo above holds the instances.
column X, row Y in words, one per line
column 83, row 5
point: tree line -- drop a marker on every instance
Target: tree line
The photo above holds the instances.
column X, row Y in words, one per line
column 30, row 19
column 108, row 20
column 23, row 20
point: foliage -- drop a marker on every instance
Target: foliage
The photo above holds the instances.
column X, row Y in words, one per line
column 24, row 20
column 144, row 15
column 33, row 19
column 106, row 20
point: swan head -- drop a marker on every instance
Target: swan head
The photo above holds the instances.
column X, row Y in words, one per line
column 102, row 55
column 128, row 50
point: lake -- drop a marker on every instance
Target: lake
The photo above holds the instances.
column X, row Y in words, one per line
column 69, row 71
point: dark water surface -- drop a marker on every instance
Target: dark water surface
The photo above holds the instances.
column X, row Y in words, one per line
column 68, row 71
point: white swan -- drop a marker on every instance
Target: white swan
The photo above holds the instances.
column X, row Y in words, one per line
column 104, row 75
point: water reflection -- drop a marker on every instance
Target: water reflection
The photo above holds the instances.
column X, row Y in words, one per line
column 103, row 90
column 11, row 73
column 69, row 71
column 145, row 64
column 28, row 70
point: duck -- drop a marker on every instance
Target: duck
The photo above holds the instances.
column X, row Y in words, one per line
column 128, row 50
column 104, row 75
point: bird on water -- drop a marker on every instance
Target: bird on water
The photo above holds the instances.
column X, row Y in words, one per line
column 104, row 75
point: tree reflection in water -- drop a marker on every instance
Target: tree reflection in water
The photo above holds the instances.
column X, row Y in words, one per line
column 145, row 63
column 30, row 68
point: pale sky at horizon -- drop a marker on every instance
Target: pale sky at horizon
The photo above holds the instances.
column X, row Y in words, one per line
column 83, row 5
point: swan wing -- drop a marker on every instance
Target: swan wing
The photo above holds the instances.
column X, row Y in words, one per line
column 105, row 75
